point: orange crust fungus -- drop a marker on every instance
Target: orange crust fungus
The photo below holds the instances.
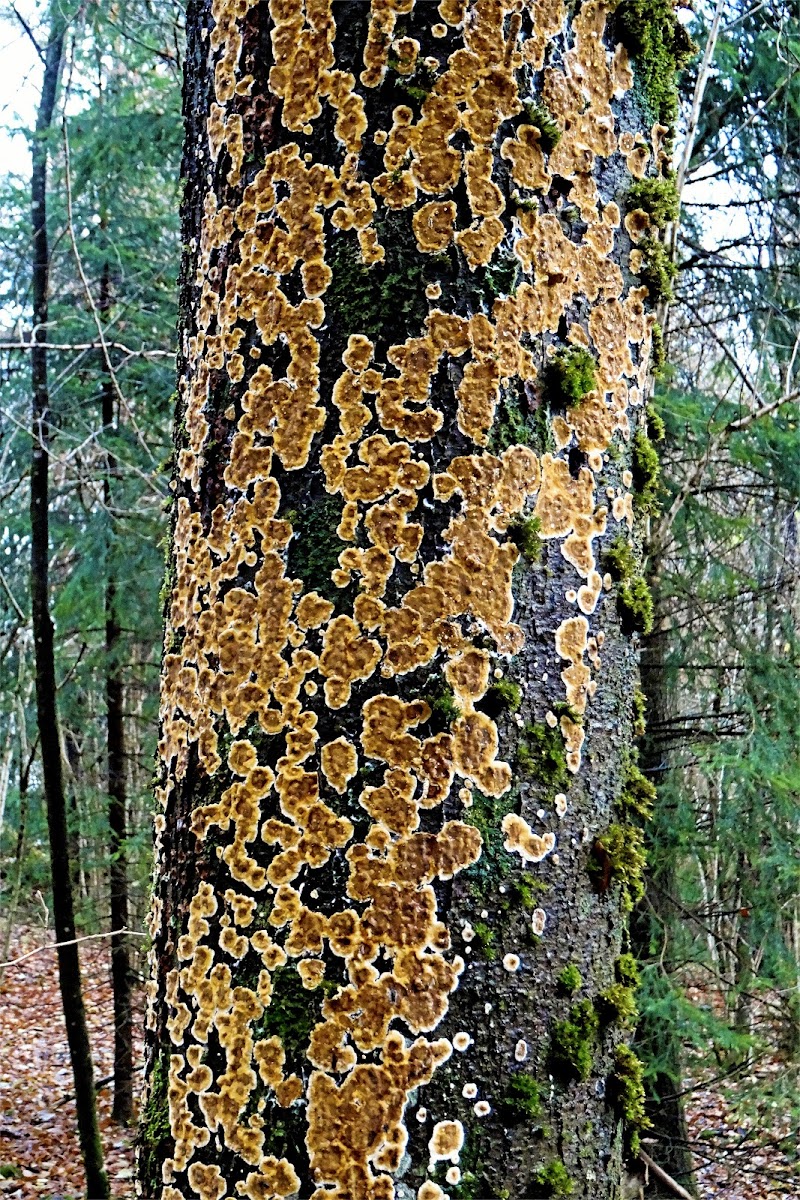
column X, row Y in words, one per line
column 287, row 698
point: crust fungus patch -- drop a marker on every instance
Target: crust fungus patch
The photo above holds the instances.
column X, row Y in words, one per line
column 263, row 655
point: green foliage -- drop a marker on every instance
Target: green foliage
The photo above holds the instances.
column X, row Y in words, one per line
column 570, row 980
column 541, row 755
column 618, row 857
column 523, row 1097
column 572, row 1043
column 660, row 46
column 638, row 794
column 10, row 1171
column 537, row 114
column 571, row 374
column 553, row 1180
column 658, row 271
column 646, row 471
column 525, row 533
column 657, row 196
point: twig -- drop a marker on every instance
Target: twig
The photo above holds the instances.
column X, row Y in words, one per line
column 83, row 347
column 28, row 30
column 87, row 937
column 662, row 1176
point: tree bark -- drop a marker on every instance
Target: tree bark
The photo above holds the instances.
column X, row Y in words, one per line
column 122, row 1110
column 49, row 740
column 397, row 849
column 659, row 1040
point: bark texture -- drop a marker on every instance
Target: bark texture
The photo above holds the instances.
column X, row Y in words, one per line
column 395, row 846
column 117, row 767
column 49, row 741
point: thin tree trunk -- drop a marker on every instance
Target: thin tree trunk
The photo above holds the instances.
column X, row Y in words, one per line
column 117, row 779
column 23, row 780
column 45, row 675
column 659, row 1040
column 397, row 844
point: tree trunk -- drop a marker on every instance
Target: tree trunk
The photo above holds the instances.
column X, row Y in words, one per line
column 117, row 791
column 397, row 844
column 659, row 1040
column 49, row 740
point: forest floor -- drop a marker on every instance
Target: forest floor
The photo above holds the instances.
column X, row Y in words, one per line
column 738, row 1158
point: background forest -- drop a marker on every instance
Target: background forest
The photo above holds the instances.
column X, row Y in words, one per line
column 718, row 932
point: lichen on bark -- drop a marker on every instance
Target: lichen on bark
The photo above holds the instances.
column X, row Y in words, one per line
column 397, row 689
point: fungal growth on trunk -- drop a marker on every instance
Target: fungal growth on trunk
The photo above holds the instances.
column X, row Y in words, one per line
column 397, row 691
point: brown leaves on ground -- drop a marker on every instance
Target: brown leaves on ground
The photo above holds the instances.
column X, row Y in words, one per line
column 39, row 1155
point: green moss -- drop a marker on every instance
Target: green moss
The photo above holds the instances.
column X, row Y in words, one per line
column 418, row 85
column 658, row 271
column 658, row 352
column 563, row 709
column 617, row 1006
column 502, row 276
column 529, row 892
column 292, row 1013
column 638, row 794
column 635, row 604
column 639, row 713
column 539, row 115
column 484, row 936
column 494, row 864
column 514, row 427
column 443, row 705
column 155, row 1136
column 658, row 196
column 571, row 374
column 660, row 46
column 634, row 601
column 553, row 1180
column 626, row 1087
column 10, row 1171
column 507, row 695
column 570, row 980
column 627, row 971
column 387, row 297
column 315, row 548
column 618, row 857
column 525, row 533
column 656, row 429
column 523, row 1097
column 646, row 471
column 572, row 1043
column 541, row 755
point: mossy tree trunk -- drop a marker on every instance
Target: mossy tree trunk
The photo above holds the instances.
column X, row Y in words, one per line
column 398, row 840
